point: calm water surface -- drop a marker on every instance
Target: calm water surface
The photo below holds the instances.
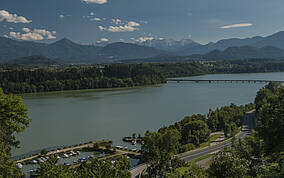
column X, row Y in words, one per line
column 71, row 118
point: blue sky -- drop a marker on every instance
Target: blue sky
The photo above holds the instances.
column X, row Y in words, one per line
column 88, row 21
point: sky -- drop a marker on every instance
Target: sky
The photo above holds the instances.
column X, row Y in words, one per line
column 91, row 21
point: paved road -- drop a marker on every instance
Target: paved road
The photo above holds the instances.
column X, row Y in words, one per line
column 189, row 156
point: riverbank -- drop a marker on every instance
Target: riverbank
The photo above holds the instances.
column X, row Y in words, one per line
column 127, row 88
column 88, row 90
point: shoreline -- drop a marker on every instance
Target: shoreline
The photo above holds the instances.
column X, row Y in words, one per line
column 87, row 90
column 62, row 150
column 126, row 88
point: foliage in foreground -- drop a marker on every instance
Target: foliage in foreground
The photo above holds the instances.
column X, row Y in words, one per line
column 262, row 154
column 13, row 119
column 95, row 169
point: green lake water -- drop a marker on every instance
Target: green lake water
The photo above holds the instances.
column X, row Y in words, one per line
column 77, row 117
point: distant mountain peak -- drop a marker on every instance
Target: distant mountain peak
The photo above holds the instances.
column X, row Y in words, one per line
column 166, row 44
column 64, row 41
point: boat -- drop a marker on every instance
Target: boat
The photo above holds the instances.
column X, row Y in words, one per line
column 19, row 165
column 65, row 155
column 34, row 162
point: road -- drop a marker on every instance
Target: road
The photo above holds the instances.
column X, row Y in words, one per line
column 189, row 156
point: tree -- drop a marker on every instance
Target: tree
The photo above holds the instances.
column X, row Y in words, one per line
column 50, row 169
column 225, row 164
column 270, row 114
column 13, row 119
column 43, row 152
column 213, row 120
column 195, row 132
column 158, row 150
column 191, row 171
column 96, row 146
column 7, row 167
column 134, row 135
column 105, row 168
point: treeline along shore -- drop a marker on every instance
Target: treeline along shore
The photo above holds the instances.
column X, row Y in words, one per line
column 19, row 79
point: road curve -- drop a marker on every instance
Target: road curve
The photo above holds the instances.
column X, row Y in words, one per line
column 189, row 156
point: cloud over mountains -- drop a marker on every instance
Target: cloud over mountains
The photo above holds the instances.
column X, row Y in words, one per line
column 33, row 35
column 12, row 18
column 236, row 25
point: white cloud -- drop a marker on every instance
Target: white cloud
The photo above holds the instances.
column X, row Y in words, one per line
column 95, row 1
column 104, row 40
column 96, row 19
column 49, row 35
column 26, row 30
column 116, row 21
column 34, row 35
column 124, row 28
column 102, row 28
column 61, row 16
column 133, row 24
column 15, row 35
column 31, row 36
column 129, row 27
column 144, row 39
column 12, row 18
column 236, row 25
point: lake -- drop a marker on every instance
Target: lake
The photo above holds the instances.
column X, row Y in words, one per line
column 78, row 117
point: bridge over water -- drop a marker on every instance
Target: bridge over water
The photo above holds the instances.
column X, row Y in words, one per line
column 224, row 80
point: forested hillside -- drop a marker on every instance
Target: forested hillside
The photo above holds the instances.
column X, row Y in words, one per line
column 76, row 78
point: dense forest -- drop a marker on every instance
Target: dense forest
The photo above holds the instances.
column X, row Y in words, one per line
column 77, row 78
column 258, row 155
column 247, row 66
column 19, row 79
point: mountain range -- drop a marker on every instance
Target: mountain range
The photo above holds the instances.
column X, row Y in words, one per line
column 275, row 40
column 168, row 44
column 66, row 51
